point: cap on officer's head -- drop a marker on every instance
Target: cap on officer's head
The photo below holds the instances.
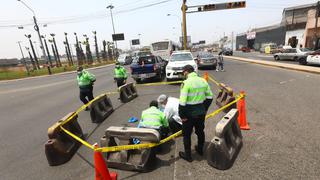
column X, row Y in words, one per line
column 79, row 68
column 162, row 98
column 188, row 68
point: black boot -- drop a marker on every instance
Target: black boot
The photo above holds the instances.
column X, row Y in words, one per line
column 199, row 150
column 185, row 156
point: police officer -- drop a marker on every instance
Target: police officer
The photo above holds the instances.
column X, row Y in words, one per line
column 120, row 74
column 155, row 119
column 85, row 82
column 195, row 99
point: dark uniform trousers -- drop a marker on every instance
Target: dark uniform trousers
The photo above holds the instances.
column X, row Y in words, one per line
column 120, row 81
column 86, row 92
column 198, row 123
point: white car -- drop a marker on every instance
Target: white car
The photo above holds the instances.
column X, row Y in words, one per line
column 176, row 63
column 313, row 58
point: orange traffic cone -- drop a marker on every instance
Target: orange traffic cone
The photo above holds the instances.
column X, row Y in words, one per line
column 101, row 170
column 242, row 118
column 206, row 76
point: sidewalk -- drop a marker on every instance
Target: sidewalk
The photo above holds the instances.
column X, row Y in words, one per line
column 310, row 69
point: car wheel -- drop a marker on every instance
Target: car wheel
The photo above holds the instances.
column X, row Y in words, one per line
column 277, row 58
column 303, row 61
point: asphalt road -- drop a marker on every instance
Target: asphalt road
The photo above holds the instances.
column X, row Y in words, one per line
column 282, row 109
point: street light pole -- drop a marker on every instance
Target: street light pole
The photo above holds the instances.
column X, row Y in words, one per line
column 23, row 59
column 114, row 31
column 36, row 27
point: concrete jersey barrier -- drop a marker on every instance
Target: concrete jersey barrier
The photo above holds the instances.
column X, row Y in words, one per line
column 225, row 146
column 225, row 96
column 127, row 92
column 100, row 109
column 61, row 147
column 136, row 160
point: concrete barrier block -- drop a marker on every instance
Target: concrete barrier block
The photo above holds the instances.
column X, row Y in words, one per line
column 225, row 146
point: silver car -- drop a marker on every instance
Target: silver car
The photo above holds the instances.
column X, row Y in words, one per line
column 292, row 54
column 206, row 59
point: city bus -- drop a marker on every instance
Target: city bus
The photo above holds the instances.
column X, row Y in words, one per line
column 164, row 48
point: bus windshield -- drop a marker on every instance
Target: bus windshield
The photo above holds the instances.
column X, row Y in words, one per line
column 160, row 46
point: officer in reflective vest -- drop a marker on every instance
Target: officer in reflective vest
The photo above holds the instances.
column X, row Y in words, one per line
column 195, row 100
column 85, row 82
column 120, row 74
column 155, row 119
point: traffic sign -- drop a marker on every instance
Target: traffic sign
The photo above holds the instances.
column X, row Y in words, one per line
column 218, row 6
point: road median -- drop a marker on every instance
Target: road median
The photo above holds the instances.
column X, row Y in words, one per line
column 295, row 67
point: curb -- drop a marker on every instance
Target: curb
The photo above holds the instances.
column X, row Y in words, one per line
column 58, row 74
column 309, row 69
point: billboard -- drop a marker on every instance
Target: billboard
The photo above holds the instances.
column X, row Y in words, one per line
column 118, row 37
column 135, row 42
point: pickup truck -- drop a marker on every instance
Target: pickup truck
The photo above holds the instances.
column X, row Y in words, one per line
column 147, row 67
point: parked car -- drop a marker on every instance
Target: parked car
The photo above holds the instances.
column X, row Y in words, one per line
column 146, row 67
column 125, row 59
column 245, row 49
column 312, row 58
column 177, row 61
column 227, row 51
column 206, row 59
column 292, row 54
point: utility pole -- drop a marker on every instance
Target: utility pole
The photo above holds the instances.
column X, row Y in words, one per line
column 316, row 27
column 67, row 52
column 47, row 49
column 114, row 31
column 68, row 47
column 96, row 44
column 31, row 59
column 184, row 22
column 55, row 46
column 54, row 53
column 33, row 51
column 23, row 59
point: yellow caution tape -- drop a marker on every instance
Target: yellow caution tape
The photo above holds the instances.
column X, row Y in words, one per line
column 139, row 146
column 159, row 83
column 86, row 105
column 77, row 138
column 214, row 81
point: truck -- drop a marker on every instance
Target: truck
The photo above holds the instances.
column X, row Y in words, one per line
column 147, row 67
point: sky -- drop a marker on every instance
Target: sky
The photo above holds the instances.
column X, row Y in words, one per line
column 131, row 17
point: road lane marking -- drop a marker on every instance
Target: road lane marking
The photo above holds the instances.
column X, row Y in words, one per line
column 35, row 87
column 283, row 82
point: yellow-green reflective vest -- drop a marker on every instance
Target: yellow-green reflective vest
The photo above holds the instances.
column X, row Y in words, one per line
column 153, row 118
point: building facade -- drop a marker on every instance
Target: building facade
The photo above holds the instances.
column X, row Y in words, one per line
column 296, row 29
